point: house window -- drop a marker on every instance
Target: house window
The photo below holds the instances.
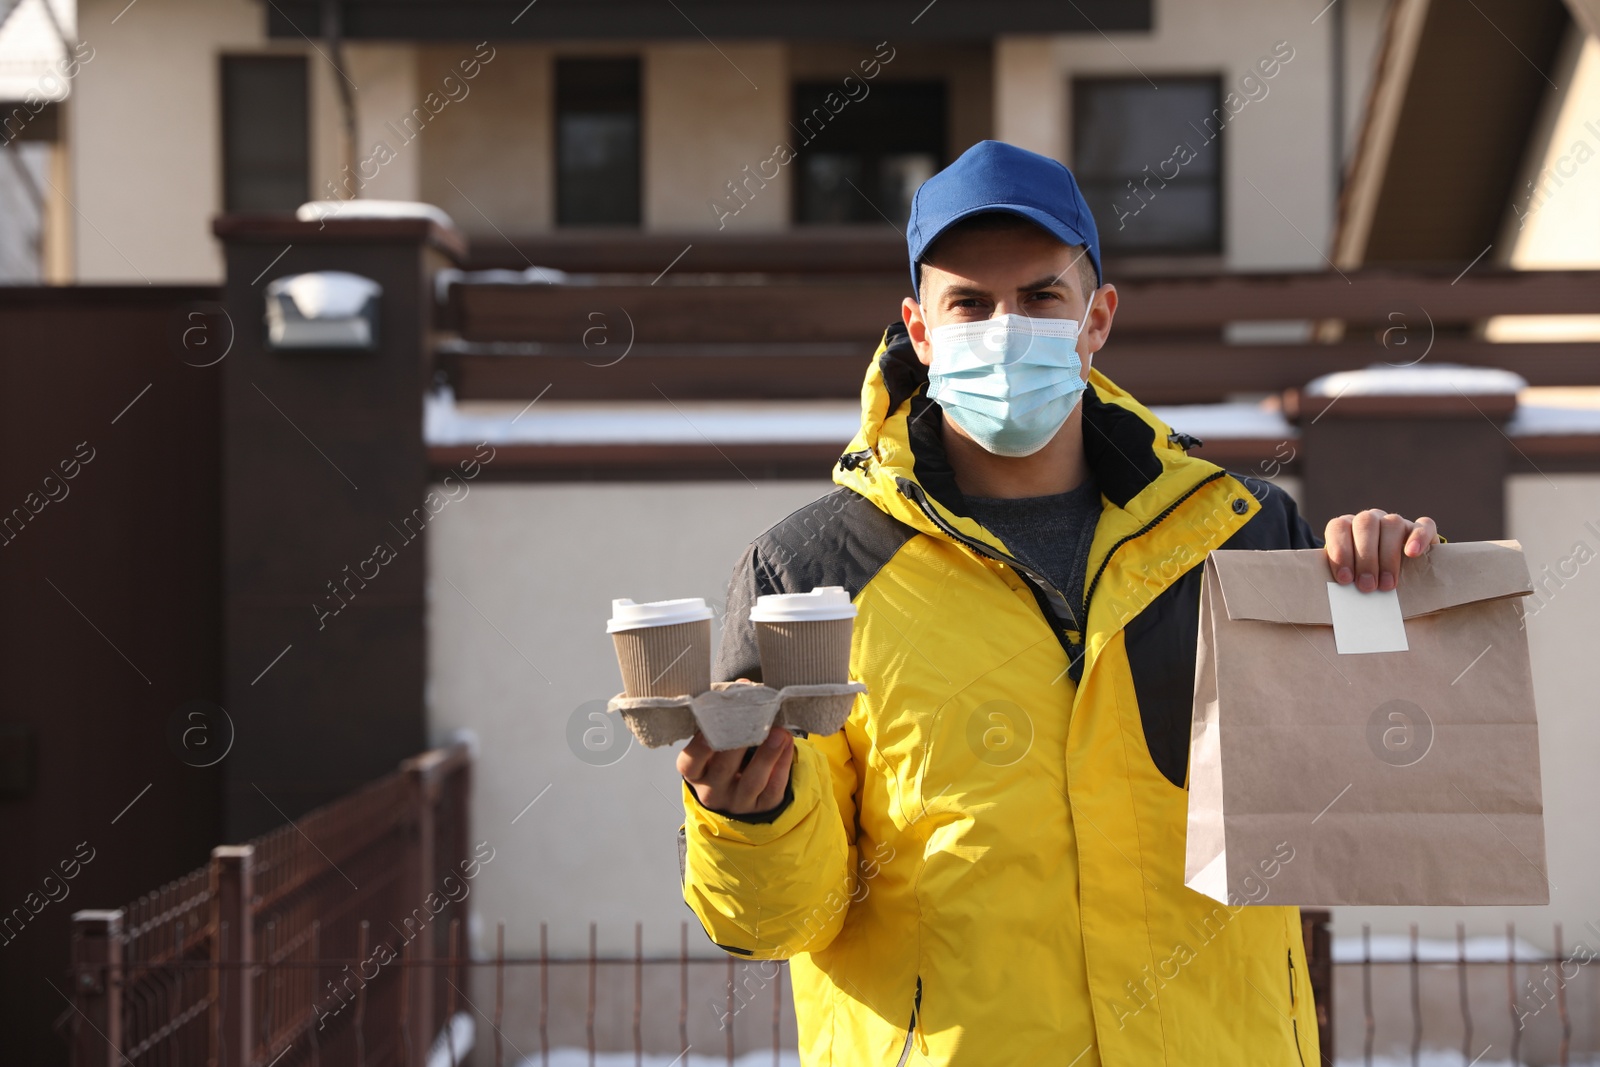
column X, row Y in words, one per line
column 1149, row 161
column 860, row 160
column 597, row 142
column 266, row 142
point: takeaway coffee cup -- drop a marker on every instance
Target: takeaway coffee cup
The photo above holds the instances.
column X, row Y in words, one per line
column 804, row 638
column 663, row 647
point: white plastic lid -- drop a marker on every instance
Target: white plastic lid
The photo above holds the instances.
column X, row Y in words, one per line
column 822, row 603
column 626, row 615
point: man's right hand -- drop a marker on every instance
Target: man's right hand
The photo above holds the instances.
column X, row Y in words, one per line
column 724, row 787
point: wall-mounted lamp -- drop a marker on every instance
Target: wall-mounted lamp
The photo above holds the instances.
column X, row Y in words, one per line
column 327, row 309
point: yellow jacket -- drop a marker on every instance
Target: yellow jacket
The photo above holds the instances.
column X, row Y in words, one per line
column 986, row 865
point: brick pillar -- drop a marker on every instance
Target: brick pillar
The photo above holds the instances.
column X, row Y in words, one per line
column 323, row 462
column 1437, row 449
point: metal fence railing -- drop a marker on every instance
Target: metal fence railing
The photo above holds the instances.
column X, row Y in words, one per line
column 330, row 941
column 1494, row 1000
column 264, row 949
column 314, row 1006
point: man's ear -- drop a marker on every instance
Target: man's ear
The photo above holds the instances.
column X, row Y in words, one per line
column 1098, row 329
column 917, row 328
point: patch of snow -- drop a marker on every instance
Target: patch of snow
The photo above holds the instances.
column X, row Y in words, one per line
column 1396, row 948
column 1267, row 332
column 326, row 294
column 577, row 1057
column 320, row 210
column 570, row 422
column 1433, row 379
column 454, row 1042
column 1444, row 1057
column 1557, row 410
column 1530, row 421
column 1207, row 421
column 444, row 279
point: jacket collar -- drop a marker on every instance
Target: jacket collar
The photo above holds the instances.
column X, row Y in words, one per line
column 1128, row 449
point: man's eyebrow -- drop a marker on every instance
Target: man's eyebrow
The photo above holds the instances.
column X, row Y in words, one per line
column 1044, row 281
column 963, row 292
column 1048, row 281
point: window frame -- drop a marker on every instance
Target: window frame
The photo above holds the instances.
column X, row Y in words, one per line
column 559, row 109
column 227, row 177
column 1077, row 108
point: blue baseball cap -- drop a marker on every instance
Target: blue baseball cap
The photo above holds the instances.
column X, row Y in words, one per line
column 993, row 176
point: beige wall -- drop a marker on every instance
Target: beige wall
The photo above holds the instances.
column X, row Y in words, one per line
column 1282, row 142
column 144, row 131
column 535, row 567
column 389, row 93
column 521, row 579
column 146, row 173
column 492, row 159
column 1363, row 30
column 704, row 121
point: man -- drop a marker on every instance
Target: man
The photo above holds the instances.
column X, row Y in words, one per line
column 986, row 865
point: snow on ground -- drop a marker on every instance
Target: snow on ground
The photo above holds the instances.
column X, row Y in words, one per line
column 1432, row 379
column 554, row 422
column 1218, row 421
column 1440, row 1057
column 317, row 210
column 1396, row 948
column 577, row 1057
column 572, row 422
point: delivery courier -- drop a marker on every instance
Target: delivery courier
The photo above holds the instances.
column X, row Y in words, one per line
column 987, row 864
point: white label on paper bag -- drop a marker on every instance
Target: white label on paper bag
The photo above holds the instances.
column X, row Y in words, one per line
column 1366, row 622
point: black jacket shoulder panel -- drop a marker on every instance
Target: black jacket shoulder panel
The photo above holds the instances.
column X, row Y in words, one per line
column 1161, row 640
column 840, row 539
column 1277, row 525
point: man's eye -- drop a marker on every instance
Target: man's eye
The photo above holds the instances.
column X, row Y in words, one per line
column 1043, row 295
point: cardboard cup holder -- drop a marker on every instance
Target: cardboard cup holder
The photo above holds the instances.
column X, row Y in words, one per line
column 737, row 714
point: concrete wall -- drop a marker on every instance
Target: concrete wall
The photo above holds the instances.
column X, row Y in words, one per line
column 521, row 580
column 1282, row 142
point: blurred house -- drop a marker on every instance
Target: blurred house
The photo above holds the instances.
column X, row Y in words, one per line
column 692, row 211
column 633, row 115
column 37, row 66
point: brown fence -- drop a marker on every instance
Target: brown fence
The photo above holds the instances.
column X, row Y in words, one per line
column 1511, row 1003
column 695, row 336
column 175, row 989
column 263, row 957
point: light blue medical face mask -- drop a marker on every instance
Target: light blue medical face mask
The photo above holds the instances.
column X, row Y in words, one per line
column 1011, row 381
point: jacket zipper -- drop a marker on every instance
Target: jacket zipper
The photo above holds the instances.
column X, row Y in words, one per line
column 920, row 497
column 1294, row 1015
column 1146, row 528
column 911, row 1028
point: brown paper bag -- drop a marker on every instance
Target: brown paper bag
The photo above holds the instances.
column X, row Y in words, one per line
column 1387, row 777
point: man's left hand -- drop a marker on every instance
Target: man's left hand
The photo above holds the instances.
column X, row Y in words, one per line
column 1366, row 547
